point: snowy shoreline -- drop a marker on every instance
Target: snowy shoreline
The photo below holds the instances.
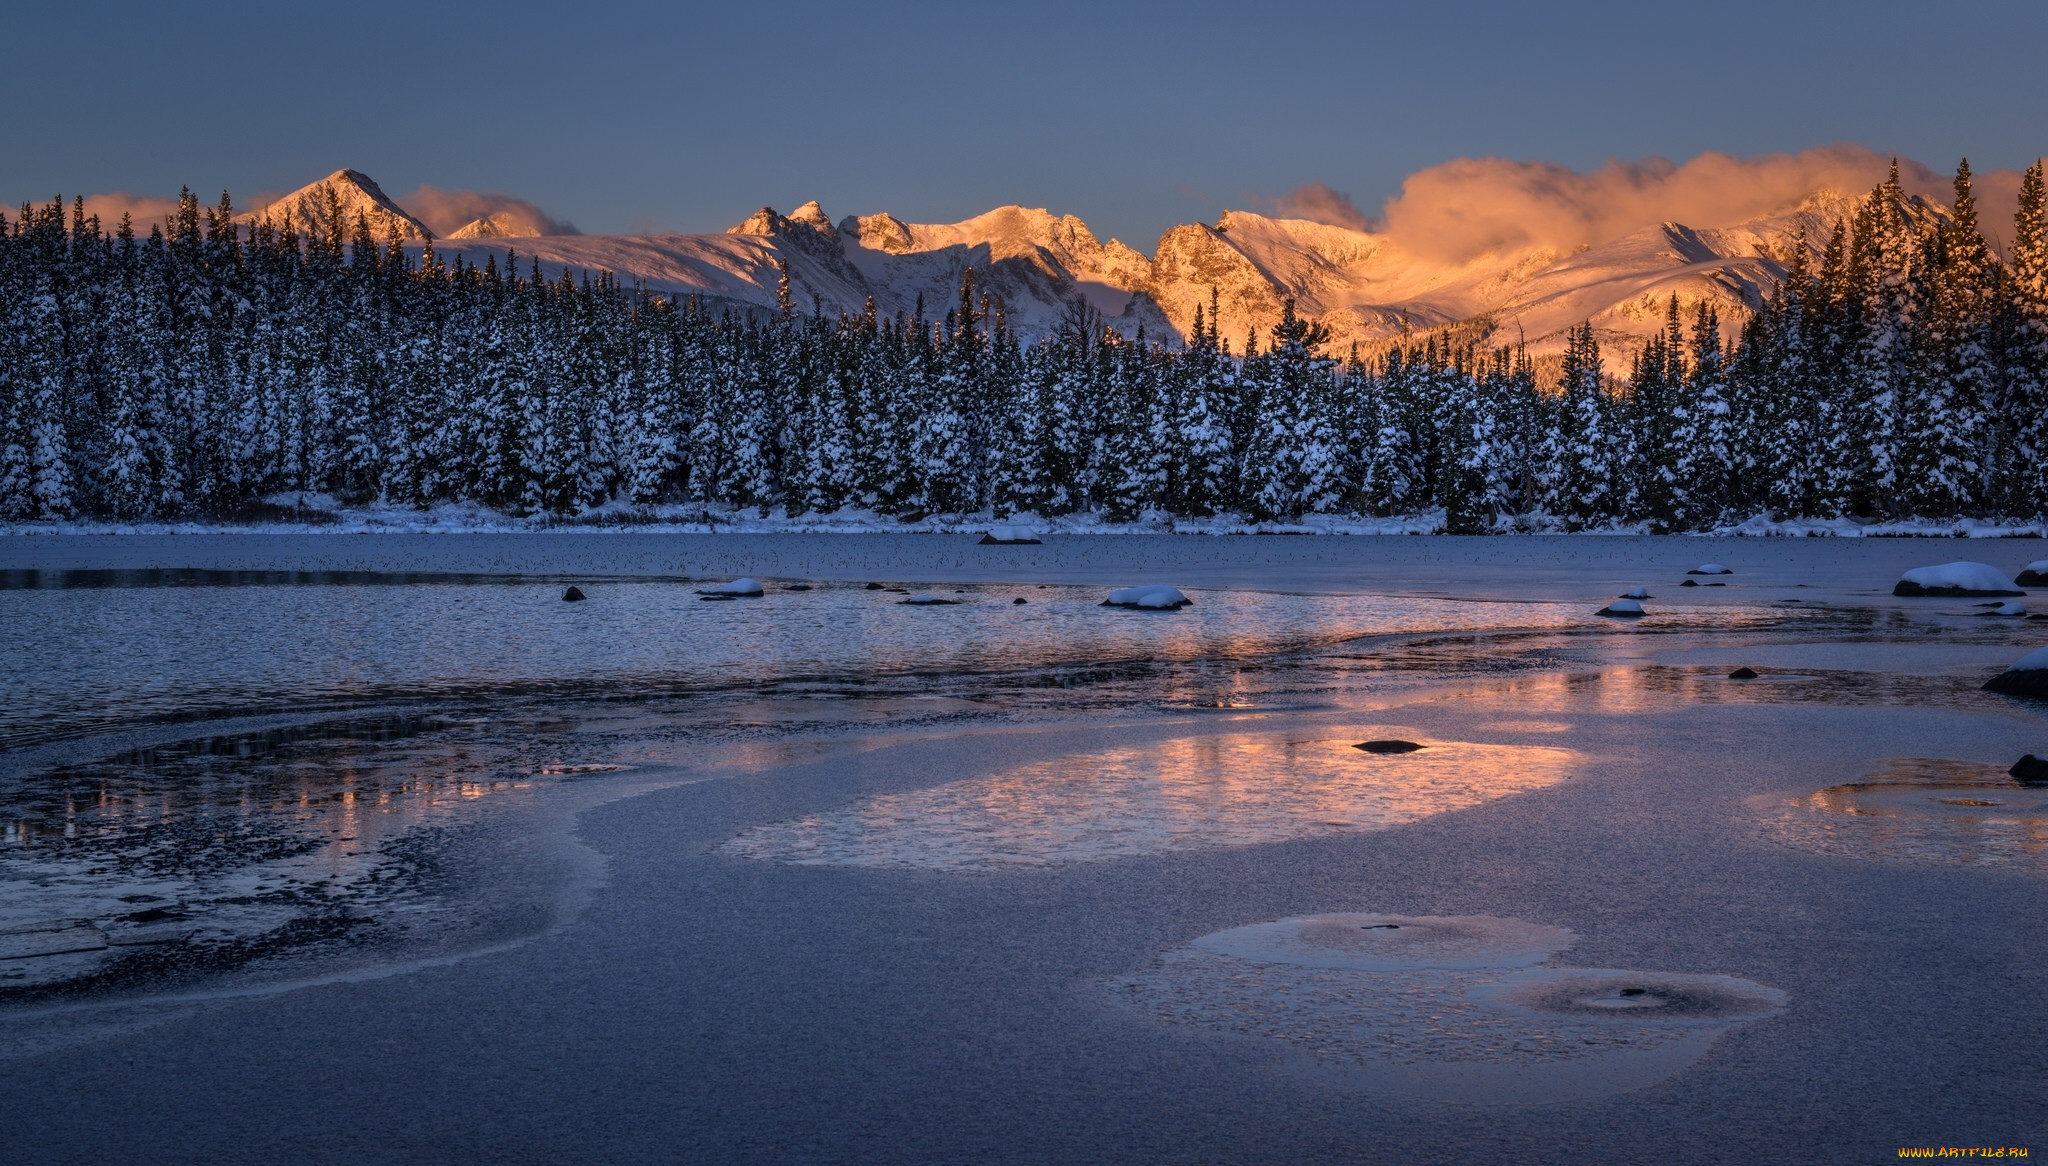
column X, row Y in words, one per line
column 318, row 514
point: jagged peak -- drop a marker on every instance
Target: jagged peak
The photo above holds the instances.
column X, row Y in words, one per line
column 811, row 215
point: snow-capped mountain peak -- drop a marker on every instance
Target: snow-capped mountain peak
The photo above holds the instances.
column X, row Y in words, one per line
column 336, row 202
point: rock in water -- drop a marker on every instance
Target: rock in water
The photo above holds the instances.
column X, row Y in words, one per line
column 1154, row 598
column 1387, row 746
column 1622, row 609
column 1743, row 674
column 874, row 587
column 2028, row 676
column 2030, row 770
column 1959, row 579
column 2005, row 609
column 741, row 588
column 927, row 601
column 1637, row 593
column 572, row 595
column 1019, row 599
column 1710, row 569
column 2034, row 575
column 798, row 587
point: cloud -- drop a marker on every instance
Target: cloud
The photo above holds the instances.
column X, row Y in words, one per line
column 1470, row 206
column 446, row 211
column 1319, row 203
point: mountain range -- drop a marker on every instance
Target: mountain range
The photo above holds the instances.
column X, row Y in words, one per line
column 1363, row 287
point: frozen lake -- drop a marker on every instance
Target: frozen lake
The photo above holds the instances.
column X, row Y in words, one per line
column 829, row 875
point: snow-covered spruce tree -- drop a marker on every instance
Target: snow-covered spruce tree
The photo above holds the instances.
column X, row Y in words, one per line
column 1703, row 439
column 1942, row 421
column 1580, row 449
column 1293, row 465
column 2028, row 362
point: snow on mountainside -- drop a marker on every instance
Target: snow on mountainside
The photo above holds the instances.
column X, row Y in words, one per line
column 1364, row 287
column 354, row 194
column 500, row 225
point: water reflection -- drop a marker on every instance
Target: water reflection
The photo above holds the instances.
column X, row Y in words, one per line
column 1924, row 810
column 1184, row 793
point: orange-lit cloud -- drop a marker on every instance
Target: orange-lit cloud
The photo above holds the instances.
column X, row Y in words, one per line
column 1469, row 206
column 1315, row 201
column 447, row 211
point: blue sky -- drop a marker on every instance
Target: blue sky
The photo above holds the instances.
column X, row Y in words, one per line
column 1133, row 116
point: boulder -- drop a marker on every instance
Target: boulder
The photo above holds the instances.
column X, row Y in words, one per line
column 874, row 587
column 1637, row 593
column 1388, row 746
column 1020, row 599
column 2028, row 676
column 798, row 587
column 2030, row 770
column 1690, row 583
column 1154, row 598
column 927, row 601
column 1710, row 569
column 1622, row 609
column 1956, row 580
column 2034, row 574
column 572, row 595
column 1743, row 674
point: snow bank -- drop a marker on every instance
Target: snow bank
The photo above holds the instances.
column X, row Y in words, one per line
column 1958, row 578
column 1154, row 598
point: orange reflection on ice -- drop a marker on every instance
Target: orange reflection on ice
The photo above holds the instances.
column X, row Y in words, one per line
column 1229, row 790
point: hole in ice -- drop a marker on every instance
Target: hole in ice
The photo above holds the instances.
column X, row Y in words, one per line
column 1177, row 794
column 1387, row 746
column 1425, row 941
column 1671, row 996
column 1484, row 1027
column 1924, row 810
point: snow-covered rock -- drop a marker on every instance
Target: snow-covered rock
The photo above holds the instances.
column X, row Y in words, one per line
column 743, row 587
column 1710, row 569
column 1636, row 593
column 2008, row 609
column 1154, row 598
column 2028, row 676
column 1622, row 609
column 2034, row 574
column 1954, row 579
column 1010, row 536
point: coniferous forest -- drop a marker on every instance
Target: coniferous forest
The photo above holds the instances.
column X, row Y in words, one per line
column 194, row 368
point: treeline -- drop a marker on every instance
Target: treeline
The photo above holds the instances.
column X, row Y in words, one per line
column 192, row 370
